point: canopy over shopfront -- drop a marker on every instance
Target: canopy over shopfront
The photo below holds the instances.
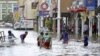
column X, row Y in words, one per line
column 76, row 9
column 77, row 6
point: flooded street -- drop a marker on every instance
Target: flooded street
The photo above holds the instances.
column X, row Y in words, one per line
column 30, row 48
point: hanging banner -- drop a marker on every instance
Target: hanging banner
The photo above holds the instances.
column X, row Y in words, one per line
column 90, row 4
column 16, row 13
column 44, row 7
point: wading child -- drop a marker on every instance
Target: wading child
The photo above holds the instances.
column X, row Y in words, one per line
column 23, row 36
column 11, row 37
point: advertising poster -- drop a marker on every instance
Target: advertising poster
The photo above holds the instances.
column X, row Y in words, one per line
column 90, row 4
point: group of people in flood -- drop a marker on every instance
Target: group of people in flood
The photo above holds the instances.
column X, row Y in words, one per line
column 11, row 37
column 45, row 40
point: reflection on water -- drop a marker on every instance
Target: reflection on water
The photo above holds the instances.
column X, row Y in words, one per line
column 80, row 55
column 86, row 55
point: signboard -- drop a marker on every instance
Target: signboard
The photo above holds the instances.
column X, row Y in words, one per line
column 44, row 8
column 43, row 13
column 90, row 4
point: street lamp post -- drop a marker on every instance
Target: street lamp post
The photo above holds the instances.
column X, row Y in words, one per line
column 58, row 20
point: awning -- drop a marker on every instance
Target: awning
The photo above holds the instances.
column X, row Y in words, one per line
column 78, row 9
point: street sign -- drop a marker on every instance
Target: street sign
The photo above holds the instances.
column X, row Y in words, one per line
column 44, row 6
column 43, row 13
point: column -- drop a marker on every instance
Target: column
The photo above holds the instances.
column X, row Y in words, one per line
column 76, row 27
column 54, row 24
column 67, row 21
column 41, row 21
column 90, row 27
column 82, row 30
column 58, row 20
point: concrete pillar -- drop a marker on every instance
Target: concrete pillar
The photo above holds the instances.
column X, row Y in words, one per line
column 82, row 30
column 58, row 19
column 76, row 26
column 90, row 27
column 54, row 24
column 67, row 21
column 41, row 21
column 82, row 25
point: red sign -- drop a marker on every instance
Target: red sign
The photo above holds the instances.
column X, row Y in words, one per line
column 44, row 6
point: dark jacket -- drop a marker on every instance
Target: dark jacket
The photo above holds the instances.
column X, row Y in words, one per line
column 85, row 39
column 23, row 36
column 64, row 36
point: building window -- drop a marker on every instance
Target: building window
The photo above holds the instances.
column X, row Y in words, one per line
column 34, row 5
column 4, row 10
column 4, row 5
column 9, row 10
column 0, row 13
column 9, row 5
column 0, row 6
column 3, row 16
column 15, row 4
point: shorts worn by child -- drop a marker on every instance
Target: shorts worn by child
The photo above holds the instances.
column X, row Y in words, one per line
column 11, row 37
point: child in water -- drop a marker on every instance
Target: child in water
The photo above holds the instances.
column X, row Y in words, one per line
column 23, row 36
column 11, row 36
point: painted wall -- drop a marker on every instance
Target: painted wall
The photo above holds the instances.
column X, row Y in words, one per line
column 29, row 13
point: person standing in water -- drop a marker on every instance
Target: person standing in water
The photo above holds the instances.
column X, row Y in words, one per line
column 23, row 36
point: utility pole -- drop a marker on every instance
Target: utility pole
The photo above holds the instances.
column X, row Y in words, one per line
column 58, row 19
